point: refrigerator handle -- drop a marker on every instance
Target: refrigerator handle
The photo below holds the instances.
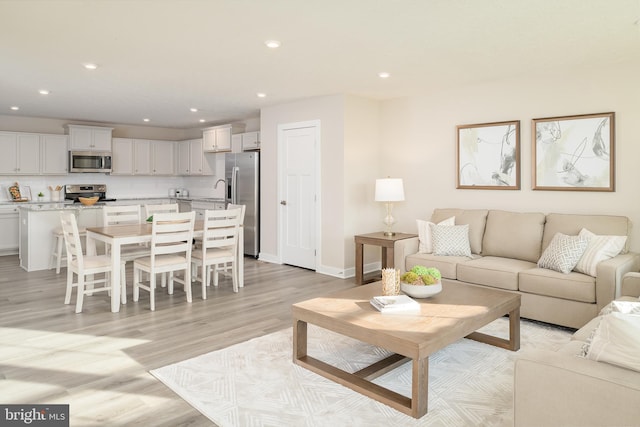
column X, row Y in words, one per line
column 234, row 185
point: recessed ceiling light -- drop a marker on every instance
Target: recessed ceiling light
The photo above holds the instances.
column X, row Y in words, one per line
column 261, row 95
column 90, row 66
column 15, row 108
column 384, row 75
column 273, row 44
column 202, row 120
column 44, row 92
column 146, row 120
column 193, row 110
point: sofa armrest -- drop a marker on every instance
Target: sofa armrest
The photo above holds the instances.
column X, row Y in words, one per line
column 609, row 276
column 631, row 285
column 556, row 389
column 402, row 249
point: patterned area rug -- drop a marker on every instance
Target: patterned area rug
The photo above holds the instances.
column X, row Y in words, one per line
column 255, row 383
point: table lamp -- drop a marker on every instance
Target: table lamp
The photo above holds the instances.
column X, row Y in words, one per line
column 389, row 190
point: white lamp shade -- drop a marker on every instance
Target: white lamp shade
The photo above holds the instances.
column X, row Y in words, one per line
column 389, row 190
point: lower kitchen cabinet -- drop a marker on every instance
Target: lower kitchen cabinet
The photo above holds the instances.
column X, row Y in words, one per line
column 9, row 238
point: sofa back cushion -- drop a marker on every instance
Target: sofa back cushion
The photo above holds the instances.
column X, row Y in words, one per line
column 476, row 218
column 514, row 235
column 571, row 224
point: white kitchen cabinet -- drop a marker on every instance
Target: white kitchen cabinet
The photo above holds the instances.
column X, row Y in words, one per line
column 163, row 158
column 199, row 206
column 20, row 153
column 54, row 158
column 142, row 157
column 250, row 141
column 192, row 159
column 9, row 224
column 89, row 138
column 122, row 158
column 218, row 138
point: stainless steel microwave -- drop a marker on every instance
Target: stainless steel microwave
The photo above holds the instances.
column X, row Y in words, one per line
column 90, row 161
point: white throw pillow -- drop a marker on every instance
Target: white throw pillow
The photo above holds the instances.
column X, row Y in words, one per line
column 563, row 253
column 600, row 248
column 452, row 240
column 617, row 341
column 424, row 233
column 627, row 307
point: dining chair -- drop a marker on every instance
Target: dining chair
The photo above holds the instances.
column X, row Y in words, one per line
column 57, row 255
column 171, row 237
column 219, row 247
column 243, row 209
column 124, row 215
column 81, row 265
column 150, row 210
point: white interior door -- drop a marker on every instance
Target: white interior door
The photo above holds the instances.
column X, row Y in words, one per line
column 298, row 200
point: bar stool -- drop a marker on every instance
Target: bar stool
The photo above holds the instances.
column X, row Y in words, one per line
column 58, row 246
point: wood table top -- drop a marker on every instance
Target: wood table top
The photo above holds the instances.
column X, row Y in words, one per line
column 443, row 319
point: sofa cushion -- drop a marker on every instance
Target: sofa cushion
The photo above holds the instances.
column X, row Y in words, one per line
column 573, row 286
column 616, row 340
column 600, row 248
column 583, row 334
column 513, row 235
column 563, row 253
column 599, row 224
column 476, row 218
column 493, row 271
column 446, row 264
column 450, row 240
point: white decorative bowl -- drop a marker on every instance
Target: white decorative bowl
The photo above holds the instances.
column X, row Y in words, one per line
column 421, row 291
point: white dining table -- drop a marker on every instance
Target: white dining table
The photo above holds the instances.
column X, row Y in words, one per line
column 118, row 235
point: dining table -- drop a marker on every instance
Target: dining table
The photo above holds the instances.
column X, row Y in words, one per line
column 118, row 235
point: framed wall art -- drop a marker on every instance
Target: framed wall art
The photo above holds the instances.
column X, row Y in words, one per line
column 488, row 156
column 574, row 153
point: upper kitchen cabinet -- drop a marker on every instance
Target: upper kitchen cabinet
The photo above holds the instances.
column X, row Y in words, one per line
column 89, row 138
column 218, row 138
column 192, row 159
column 251, row 141
column 163, row 158
column 122, row 162
column 54, row 159
column 20, row 153
column 143, row 157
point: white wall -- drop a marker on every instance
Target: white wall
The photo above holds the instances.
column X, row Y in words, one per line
column 419, row 138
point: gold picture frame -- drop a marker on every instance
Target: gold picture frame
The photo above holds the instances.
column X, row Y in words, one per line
column 488, row 156
column 574, row 153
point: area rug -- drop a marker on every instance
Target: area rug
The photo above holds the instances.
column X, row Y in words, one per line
column 255, row 383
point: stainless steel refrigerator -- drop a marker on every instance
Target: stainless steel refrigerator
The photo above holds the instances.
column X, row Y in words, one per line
column 242, row 176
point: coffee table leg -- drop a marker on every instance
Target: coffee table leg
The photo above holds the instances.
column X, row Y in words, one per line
column 420, row 387
column 514, row 329
column 299, row 339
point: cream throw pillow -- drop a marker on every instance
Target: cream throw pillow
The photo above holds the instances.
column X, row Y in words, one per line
column 617, row 341
column 563, row 253
column 424, row 234
column 600, row 248
column 451, row 240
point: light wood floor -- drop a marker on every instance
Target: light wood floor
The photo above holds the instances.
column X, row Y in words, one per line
column 98, row 361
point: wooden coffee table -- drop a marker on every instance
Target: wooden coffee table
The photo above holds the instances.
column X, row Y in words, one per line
column 457, row 312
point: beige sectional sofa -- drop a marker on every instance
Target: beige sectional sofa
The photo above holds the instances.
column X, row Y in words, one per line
column 505, row 248
column 562, row 389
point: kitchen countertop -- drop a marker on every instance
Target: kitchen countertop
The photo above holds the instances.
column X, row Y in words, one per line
column 68, row 204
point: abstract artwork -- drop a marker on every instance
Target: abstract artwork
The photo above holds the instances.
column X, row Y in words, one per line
column 489, row 156
column 574, row 153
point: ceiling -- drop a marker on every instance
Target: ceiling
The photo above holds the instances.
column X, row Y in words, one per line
column 159, row 58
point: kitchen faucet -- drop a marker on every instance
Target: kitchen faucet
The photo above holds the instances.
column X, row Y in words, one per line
column 218, row 182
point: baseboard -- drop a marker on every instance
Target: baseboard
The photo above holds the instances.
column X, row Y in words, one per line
column 273, row 259
column 367, row 268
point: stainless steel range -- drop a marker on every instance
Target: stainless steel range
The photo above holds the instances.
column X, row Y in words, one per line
column 72, row 192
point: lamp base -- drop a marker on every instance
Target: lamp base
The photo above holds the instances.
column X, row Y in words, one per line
column 389, row 233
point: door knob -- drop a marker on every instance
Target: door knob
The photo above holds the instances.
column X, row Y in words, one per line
column 283, row 202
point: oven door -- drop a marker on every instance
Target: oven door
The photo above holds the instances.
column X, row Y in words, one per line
column 89, row 161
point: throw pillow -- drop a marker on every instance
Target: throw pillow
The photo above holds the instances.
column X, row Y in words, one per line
column 424, row 233
column 617, row 341
column 627, row 307
column 600, row 248
column 563, row 253
column 451, row 240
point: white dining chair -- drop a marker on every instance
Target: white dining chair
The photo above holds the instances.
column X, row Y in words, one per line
column 243, row 209
column 150, row 210
column 171, row 237
column 124, row 215
column 219, row 247
column 57, row 251
column 81, row 265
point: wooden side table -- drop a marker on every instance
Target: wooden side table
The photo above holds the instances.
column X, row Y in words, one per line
column 376, row 239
